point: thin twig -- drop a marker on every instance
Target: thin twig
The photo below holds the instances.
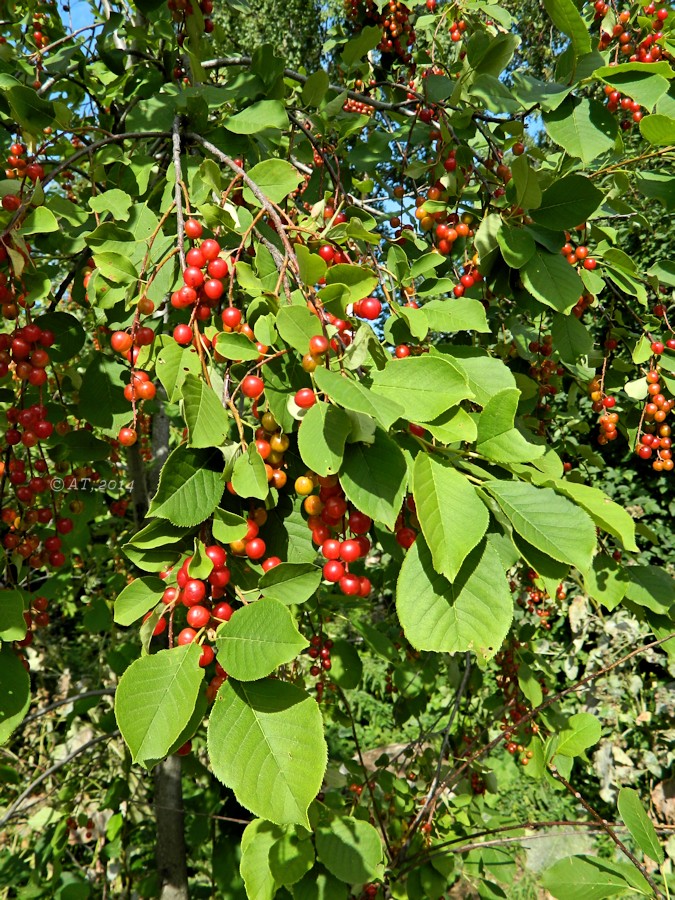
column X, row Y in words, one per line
column 105, row 692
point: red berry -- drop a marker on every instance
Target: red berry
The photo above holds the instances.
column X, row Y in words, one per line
column 182, row 334
column 231, row 317
column 193, row 229
column 217, row 555
column 127, row 437
column 350, row 585
column 305, row 398
column 252, row 386
column 193, row 592
column 186, row 636
column 318, row 345
column 333, row 570
column 198, row 616
column 350, row 550
column 222, row 611
column 657, row 347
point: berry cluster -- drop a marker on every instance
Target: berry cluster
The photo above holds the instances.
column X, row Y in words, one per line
column 330, row 520
column 20, row 167
column 635, row 39
column 578, row 255
column 655, row 433
column 615, row 101
column 398, row 34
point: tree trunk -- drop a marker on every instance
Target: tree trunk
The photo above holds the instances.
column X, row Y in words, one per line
column 171, row 853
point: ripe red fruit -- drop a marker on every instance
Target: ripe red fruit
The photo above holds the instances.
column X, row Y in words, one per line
column 333, row 570
column 213, row 288
column 220, row 578
column 206, row 657
column 193, row 277
column 217, row 555
column 350, row 585
column 222, row 611
column 350, row 550
column 127, row 437
column 193, row 592
column 198, row 616
column 196, row 258
column 256, row 548
column 11, row 202
column 331, row 549
column 121, row 341
column 402, row 351
column 193, row 229
column 182, row 334
column 270, row 563
column 231, row 317
column 217, row 268
column 327, row 253
column 369, row 308
column 144, row 337
column 186, row 636
column 305, row 398
column 64, row 526
column 252, row 386
column 359, row 523
column 657, row 347
column 406, row 537
column 318, row 345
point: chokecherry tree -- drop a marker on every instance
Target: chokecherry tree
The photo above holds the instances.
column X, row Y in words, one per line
column 306, row 372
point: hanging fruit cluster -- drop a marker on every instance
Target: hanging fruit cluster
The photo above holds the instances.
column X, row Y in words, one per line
column 395, row 19
column 635, row 40
column 654, row 438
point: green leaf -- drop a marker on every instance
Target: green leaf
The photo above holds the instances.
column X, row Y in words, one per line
column 256, row 842
column 172, row 366
column 517, row 245
column 571, row 339
column 81, row 446
column 276, row 178
column 359, row 280
column 349, row 848
column 28, row 108
column 207, row 421
column 259, row 638
column 236, row 346
column 639, row 824
column 583, row 730
column 567, row 203
column 566, row 18
column 472, row 613
column 137, row 598
column 607, row 514
column 159, row 533
column 256, row 118
column 296, row 325
column 276, row 729
column 585, row 878
column 642, row 82
column 315, row 88
column 546, row 520
column 497, row 438
column 658, row 129
column 249, row 477
column 116, row 202
column 347, row 668
column 70, row 335
column 228, row 526
column 452, row 517
column 291, row 857
column 652, row 587
column 486, row 375
column 462, row 314
column 12, row 622
column 155, row 699
column 39, row 221
column 374, row 477
column 452, row 426
column 354, row 396
column 526, row 183
column 190, row 486
column 583, row 128
column 552, row 280
column 367, row 39
column 291, row 583
column 606, row 581
column 311, row 266
column 425, row 386
column 115, row 267
column 15, row 693
column 320, row 885
column 321, row 438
